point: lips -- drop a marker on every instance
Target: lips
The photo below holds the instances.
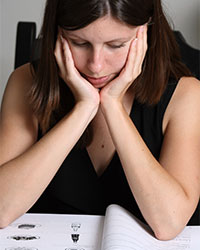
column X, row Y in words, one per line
column 97, row 82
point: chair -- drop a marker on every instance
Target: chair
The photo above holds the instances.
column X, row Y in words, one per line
column 26, row 41
column 189, row 55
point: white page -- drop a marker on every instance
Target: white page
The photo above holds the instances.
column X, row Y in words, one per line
column 122, row 231
column 53, row 232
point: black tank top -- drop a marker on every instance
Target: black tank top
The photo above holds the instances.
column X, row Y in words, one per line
column 76, row 187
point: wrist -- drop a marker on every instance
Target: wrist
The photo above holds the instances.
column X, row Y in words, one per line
column 111, row 105
column 87, row 108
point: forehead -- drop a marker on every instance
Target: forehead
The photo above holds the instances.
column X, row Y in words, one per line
column 104, row 29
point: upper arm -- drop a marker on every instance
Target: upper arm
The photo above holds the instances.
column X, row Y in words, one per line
column 180, row 153
column 18, row 125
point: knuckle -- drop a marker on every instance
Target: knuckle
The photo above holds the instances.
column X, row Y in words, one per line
column 128, row 78
column 68, row 77
column 67, row 59
column 55, row 53
column 139, row 71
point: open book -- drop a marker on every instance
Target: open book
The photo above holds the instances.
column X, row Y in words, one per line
column 117, row 230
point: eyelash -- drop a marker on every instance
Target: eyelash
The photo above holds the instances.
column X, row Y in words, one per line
column 79, row 44
column 87, row 44
column 118, row 46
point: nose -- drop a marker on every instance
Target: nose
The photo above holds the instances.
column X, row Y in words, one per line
column 95, row 61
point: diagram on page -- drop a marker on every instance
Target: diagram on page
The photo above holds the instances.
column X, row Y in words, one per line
column 53, row 232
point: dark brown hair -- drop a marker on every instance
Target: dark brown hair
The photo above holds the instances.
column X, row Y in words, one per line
column 51, row 98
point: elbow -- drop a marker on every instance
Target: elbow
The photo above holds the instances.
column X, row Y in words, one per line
column 168, row 231
column 165, row 235
column 5, row 219
column 4, row 222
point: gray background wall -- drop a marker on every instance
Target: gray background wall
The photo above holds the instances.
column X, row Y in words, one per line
column 184, row 13
column 12, row 11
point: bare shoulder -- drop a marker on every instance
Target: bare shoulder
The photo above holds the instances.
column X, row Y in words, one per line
column 185, row 101
column 20, row 79
column 17, row 89
column 188, row 87
column 16, row 96
column 17, row 121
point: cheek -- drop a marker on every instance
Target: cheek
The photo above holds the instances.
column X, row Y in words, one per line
column 118, row 60
column 79, row 58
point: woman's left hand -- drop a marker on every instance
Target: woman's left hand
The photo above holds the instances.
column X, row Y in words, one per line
column 115, row 90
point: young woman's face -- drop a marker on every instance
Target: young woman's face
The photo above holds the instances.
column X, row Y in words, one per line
column 100, row 49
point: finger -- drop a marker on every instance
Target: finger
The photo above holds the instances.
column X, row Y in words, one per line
column 139, row 50
column 136, row 54
column 132, row 54
column 128, row 68
column 145, row 46
column 59, row 55
column 68, row 59
column 126, row 74
column 125, row 77
column 145, row 36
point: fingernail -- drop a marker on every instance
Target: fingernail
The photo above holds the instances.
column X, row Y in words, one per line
column 142, row 28
column 135, row 41
column 61, row 38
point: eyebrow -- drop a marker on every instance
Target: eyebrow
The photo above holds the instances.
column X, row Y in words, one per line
column 121, row 39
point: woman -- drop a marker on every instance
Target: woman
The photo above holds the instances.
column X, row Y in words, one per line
column 108, row 114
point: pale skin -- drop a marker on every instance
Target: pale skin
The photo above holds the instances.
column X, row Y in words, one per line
column 167, row 191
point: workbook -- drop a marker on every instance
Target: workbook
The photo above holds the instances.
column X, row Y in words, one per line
column 117, row 230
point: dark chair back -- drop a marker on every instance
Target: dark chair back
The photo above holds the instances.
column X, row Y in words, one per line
column 25, row 39
column 189, row 55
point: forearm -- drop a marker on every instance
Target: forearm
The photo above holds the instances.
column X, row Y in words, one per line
column 23, row 179
column 162, row 200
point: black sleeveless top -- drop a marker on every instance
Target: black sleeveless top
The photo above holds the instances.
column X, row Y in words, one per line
column 76, row 187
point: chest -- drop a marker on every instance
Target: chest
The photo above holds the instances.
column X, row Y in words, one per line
column 102, row 148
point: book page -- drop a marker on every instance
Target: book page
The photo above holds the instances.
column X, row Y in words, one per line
column 53, row 232
column 122, row 231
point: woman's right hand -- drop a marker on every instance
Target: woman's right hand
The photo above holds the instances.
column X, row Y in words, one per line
column 82, row 90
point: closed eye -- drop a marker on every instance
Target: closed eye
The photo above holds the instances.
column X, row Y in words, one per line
column 80, row 44
column 87, row 44
column 113, row 46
